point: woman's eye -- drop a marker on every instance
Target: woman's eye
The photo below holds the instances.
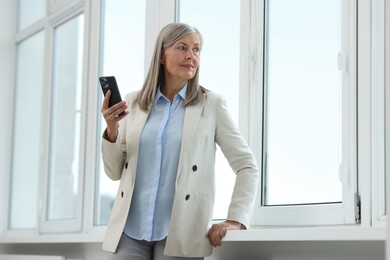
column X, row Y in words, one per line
column 181, row 48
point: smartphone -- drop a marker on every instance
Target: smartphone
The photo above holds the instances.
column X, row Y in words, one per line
column 109, row 83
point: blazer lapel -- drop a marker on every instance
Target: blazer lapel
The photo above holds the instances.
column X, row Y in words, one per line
column 191, row 121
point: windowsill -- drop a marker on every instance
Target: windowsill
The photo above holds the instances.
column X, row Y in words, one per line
column 344, row 233
column 52, row 238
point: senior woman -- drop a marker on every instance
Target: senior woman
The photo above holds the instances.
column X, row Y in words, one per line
column 162, row 149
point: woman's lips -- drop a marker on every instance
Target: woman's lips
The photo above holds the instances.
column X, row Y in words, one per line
column 187, row 66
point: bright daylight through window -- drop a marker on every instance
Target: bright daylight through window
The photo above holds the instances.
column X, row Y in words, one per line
column 302, row 112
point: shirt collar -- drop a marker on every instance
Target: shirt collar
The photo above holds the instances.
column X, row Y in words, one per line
column 182, row 93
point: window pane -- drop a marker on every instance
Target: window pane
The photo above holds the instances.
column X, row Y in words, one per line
column 303, row 103
column 122, row 56
column 27, row 129
column 221, row 49
column 30, row 12
column 65, row 120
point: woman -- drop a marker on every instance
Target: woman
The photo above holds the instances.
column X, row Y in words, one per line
column 163, row 152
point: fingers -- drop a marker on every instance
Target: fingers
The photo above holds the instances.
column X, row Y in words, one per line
column 106, row 99
column 116, row 112
column 113, row 114
column 214, row 236
column 218, row 231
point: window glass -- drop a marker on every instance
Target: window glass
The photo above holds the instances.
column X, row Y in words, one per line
column 219, row 71
column 30, row 12
column 66, row 114
column 302, row 120
column 26, row 135
column 122, row 56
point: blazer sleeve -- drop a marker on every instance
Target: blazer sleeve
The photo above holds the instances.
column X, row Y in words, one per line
column 243, row 163
column 114, row 154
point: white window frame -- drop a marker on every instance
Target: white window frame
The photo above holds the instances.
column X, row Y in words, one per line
column 70, row 225
column 251, row 125
column 19, row 37
column 91, row 142
column 378, row 114
column 7, row 64
column 158, row 14
column 371, row 152
column 387, row 116
column 48, row 24
column 58, row 5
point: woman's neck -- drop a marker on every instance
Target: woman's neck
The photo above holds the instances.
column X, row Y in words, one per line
column 171, row 89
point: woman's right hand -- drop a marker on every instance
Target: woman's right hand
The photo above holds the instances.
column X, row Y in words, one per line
column 112, row 117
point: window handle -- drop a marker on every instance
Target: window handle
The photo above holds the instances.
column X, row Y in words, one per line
column 340, row 61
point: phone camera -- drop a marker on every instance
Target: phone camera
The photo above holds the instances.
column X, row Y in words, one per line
column 104, row 82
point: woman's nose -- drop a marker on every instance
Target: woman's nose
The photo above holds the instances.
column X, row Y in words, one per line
column 190, row 54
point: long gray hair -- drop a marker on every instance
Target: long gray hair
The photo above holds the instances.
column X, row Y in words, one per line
column 168, row 35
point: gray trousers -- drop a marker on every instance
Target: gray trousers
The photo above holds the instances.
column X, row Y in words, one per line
column 131, row 249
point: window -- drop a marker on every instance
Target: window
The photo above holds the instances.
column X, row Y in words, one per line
column 122, row 55
column 30, row 12
column 302, row 118
column 219, row 72
column 66, row 137
column 27, row 133
column 308, row 114
column 49, row 120
column 334, row 99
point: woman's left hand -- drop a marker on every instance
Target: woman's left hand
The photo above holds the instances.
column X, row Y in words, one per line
column 218, row 231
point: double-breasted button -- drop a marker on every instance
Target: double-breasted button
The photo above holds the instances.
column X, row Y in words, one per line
column 126, row 165
column 187, row 196
column 194, row 168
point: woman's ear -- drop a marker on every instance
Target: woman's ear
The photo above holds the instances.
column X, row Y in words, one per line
column 162, row 59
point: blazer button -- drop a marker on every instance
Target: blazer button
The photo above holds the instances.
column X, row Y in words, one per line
column 194, row 168
column 126, row 165
column 122, row 194
column 187, row 196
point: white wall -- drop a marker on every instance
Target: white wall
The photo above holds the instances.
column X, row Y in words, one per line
column 326, row 250
column 310, row 250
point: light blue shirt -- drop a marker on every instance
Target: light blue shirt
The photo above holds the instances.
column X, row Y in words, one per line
column 158, row 160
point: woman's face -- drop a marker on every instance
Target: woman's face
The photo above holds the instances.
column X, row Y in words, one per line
column 181, row 60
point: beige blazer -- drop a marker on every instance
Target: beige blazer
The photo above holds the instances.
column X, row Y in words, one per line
column 205, row 124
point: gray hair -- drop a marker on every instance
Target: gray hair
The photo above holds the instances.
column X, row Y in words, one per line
column 168, row 35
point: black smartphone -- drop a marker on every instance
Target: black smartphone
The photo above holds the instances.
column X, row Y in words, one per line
column 109, row 83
